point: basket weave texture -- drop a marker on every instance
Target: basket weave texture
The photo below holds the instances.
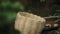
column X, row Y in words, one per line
column 28, row 23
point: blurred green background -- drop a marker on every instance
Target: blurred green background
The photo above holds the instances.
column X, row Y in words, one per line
column 9, row 9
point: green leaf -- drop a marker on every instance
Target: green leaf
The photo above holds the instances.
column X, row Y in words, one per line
column 10, row 15
column 17, row 5
column 5, row 4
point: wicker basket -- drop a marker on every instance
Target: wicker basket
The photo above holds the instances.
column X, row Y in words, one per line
column 28, row 23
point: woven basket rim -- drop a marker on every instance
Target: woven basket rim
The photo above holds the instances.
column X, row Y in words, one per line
column 30, row 16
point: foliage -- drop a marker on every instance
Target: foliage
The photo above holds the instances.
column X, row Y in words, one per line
column 8, row 11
